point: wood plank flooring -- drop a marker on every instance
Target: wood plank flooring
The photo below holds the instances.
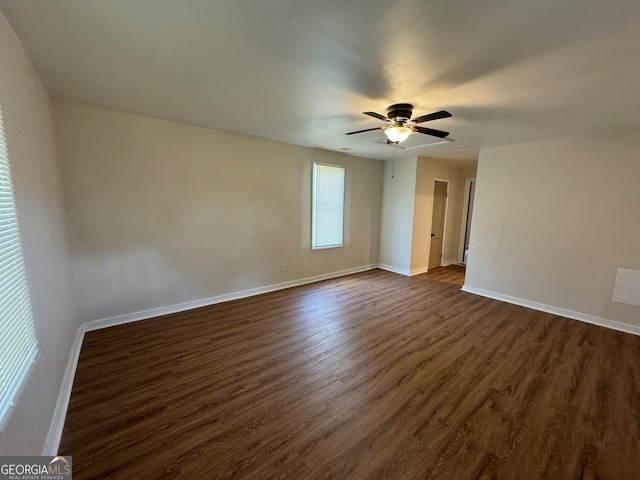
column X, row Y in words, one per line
column 370, row 376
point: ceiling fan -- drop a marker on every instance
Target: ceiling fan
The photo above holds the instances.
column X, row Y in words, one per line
column 400, row 124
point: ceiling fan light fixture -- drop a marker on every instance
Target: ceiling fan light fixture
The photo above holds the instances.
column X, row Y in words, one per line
column 398, row 132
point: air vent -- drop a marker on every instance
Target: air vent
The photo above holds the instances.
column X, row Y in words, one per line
column 383, row 141
column 438, row 141
column 415, row 142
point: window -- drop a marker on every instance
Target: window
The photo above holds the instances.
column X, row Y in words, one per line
column 18, row 346
column 327, row 210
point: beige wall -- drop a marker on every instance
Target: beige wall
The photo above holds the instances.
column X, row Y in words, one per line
column 397, row 215
column 162, row 213
column 553, row 220
column 36, row 179
column 428, row 170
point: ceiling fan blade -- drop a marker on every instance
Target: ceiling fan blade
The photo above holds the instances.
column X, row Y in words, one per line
column 366, row 130
column 377, row 115
column 431, row 131
column 432, row 116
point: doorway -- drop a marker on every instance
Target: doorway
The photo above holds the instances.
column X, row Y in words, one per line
column 438, row 221
column 467, row 214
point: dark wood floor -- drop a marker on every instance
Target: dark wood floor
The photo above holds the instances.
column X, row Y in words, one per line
column 370, row 376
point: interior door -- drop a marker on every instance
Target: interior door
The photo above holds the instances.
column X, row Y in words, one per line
column 437, row 224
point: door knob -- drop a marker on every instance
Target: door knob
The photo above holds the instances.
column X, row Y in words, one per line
column 433, row 234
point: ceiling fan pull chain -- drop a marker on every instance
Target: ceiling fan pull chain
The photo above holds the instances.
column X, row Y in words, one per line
column 393, row 173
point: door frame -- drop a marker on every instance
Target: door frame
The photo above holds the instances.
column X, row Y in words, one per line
column 444, row 222
column 465, row 212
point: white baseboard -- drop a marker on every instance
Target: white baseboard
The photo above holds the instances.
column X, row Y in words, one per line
column 418, row 271
column 421, row 270
column 415, row 271
column 181, row 307
column 391, row 268
column 52, row 442
column 60, row 412
column 583, row 317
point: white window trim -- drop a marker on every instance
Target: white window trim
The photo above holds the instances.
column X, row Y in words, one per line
column 313, row 207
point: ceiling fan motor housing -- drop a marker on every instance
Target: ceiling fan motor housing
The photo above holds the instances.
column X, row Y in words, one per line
column 400, row 112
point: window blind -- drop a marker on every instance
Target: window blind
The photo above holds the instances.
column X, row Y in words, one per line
column 327, row 212
column 18, row 345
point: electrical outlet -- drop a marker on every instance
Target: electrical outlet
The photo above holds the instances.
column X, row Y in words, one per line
column 282, row 267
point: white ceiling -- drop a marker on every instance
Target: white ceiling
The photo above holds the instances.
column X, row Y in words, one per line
column 301, row 71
